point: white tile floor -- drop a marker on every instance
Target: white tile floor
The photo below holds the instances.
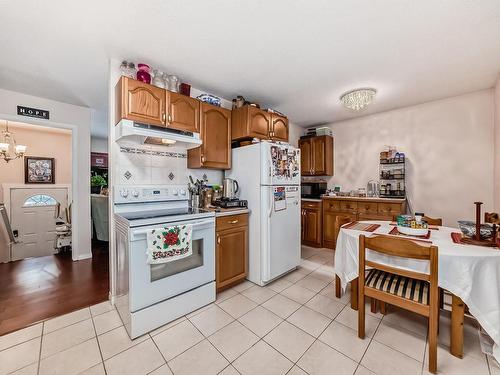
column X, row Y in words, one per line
column 293, row 326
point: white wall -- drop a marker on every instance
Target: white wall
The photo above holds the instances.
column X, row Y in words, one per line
column 449, row 148
column 98, row 144
column 497, row 146
column 294, row 133
column 77, row 119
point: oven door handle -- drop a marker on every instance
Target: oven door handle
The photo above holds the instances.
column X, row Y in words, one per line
column 194, row 224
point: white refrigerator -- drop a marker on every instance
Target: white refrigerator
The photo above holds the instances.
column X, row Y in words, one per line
column 268, row 176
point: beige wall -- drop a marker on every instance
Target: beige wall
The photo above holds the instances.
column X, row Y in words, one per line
column 497, row 146
column 41, row 141
column 449, row 145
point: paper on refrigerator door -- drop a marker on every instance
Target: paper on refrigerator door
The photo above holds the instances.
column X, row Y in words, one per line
column 279, row 198
column 285, row 162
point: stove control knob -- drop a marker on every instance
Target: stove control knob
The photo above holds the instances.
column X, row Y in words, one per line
column 124, row 193
column 135, row 193
column 175, row 192
column 183, row 192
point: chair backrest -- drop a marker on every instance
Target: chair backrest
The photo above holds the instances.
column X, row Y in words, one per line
column 491, row 217
column 339, row 221
column 399, row 247
column 429, row 220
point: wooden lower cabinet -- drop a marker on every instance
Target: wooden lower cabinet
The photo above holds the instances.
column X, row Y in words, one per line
column 231, row 250
column 311, row 223
column 356, row 209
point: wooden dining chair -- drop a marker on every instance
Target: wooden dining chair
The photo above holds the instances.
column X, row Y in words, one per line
column 340, row 220
column 410, row 290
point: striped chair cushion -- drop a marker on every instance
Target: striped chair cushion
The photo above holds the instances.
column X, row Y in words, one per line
column 405, row 287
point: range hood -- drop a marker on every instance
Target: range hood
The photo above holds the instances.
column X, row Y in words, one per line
column 135, row 132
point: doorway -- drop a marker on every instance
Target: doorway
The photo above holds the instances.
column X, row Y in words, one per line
column 40, row 275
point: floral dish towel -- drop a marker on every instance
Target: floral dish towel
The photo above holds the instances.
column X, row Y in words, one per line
column 167, row 244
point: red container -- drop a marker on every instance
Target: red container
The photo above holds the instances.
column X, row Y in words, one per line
column 185, row 89
column 143, row 73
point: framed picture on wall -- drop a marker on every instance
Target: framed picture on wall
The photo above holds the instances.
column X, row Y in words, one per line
column 39, row 170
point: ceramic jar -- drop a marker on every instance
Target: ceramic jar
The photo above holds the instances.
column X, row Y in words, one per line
column 143, row 73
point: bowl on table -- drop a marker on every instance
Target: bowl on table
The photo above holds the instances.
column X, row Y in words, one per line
column 468, row 229
column 412, row 231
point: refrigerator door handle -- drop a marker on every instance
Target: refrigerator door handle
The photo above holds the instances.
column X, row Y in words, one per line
column 6, row 225
column 271, row 202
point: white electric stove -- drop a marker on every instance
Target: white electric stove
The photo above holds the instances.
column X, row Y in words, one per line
column 149, row 296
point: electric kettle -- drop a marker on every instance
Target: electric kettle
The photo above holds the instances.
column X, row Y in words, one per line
column 230, row 188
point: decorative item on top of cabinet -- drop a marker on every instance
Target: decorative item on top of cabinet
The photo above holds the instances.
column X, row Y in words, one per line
column 231, row 250
column 311, row 223
column 252, row 122
column 139, row 101
column 215, row 132
column 316, row 154
column 183, row 112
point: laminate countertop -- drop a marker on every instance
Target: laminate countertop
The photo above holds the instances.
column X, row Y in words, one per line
column 367, row 199
column 229, row 211
column 310, row 200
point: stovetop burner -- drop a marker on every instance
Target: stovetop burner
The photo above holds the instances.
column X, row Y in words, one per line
column 165, row 212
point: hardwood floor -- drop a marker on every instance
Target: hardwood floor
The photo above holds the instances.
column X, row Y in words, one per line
column 36, row 289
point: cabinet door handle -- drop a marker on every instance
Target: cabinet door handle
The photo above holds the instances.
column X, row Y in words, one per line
column 233, row 221
column 164, row 117
column 169, row 118
column 218, row 239
column 202, row 158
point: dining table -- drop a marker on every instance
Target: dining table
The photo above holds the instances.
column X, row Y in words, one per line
column 470, row 273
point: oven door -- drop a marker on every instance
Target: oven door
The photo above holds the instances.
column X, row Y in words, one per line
column 150, row 284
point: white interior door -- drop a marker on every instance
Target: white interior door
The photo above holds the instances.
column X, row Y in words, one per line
column 32, row 216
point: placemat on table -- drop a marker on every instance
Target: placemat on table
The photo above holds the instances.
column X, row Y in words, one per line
column 394, row 232
column 433, row 227
column 456, row 237
column 365, row 227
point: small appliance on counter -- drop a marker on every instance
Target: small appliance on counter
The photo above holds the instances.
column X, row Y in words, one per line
column 229, row 188
column 231, row 203
column 312, row 189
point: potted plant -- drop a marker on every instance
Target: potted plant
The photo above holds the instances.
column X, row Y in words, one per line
column 96, row 183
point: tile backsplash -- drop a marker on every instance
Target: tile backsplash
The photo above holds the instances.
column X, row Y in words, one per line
column 150, row 165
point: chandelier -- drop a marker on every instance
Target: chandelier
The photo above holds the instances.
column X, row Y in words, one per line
column 358, row 99
column 9, row 150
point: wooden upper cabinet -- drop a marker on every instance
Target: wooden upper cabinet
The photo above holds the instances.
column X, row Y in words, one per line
column 183, row 112
column 259, row 123
column 215, row 132
column 305, row 146
column 279, row 128
column 252, row 122
column 316, row 155
column 138, row 101
column 319, row 155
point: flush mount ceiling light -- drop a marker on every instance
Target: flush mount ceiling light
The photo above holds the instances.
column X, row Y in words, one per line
column 358, row 99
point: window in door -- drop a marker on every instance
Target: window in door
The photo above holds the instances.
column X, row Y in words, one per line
column 40, row 200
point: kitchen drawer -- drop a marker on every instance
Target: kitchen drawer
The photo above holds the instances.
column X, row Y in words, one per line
column 331, row 205
column 367, row 207
column 311, row 205
column 348, row 206
column 389, row 208
column 373, row 216
column 232, row 221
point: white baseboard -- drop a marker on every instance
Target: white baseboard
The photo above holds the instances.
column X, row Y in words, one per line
column 84, row 256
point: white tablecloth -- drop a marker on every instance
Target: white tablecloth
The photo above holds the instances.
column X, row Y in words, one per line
column 470, row 272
